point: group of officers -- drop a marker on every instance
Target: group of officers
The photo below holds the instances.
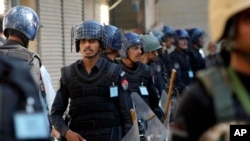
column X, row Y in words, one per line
column 97, row 88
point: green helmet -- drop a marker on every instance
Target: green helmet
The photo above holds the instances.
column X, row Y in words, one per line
column 150, row 43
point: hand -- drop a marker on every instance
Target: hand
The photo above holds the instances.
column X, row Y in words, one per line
column 73, row 136
column 55, row 133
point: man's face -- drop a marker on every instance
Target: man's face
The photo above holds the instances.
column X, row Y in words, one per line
column 243, row 31
column 183, row 43
column 212, row 48
column 135, row 53
column 168, row 42
column 152, row 56
column 201, row 41
column 89, row 48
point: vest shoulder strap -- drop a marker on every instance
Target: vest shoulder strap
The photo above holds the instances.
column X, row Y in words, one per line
column 114, row 70
column 67, row 73
column 216, row 83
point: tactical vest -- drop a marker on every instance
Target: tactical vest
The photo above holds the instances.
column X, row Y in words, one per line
column 91, row 106
column 218, row 84
column 138, row 77
column 20, row 52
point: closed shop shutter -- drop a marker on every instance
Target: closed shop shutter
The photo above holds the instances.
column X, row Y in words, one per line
column 73, row 15
column 89, row 13
column 51, row 39
column 6, row 4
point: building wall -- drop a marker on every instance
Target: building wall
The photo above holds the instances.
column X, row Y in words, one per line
column 183, row 13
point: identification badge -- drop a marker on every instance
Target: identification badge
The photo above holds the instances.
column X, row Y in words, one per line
column 31, row 126
column 113, row 91
column 143, row 90
column 190, row 74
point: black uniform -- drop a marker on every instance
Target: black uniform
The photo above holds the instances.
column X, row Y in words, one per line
column 180, row 61
column 141, row 75
column 159, row 79
column 167, row 61
column 197, row 62
column 97, row 112
column 197, row 111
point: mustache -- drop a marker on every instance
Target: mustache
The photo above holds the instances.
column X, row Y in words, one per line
column 138, row 55
column 87, row 49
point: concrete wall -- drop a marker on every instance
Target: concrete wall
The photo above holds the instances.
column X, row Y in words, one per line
column 184, row 13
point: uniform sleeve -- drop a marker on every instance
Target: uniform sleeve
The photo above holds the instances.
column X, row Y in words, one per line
column 194, row 115
column 58, row 107
column 124, row 103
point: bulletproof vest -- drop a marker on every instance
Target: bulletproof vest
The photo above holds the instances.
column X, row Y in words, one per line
column 140, row 76
column 91, row 105
column 19, row 52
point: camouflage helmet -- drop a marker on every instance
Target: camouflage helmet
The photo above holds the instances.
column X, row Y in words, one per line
column 150, row 43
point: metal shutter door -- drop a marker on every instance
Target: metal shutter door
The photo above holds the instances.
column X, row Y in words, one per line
column 73, row 15
column 89, row 9
column 51, row 41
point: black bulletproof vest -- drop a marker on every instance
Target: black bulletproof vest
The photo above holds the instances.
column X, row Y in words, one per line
column 138, row 77
column 91, row 106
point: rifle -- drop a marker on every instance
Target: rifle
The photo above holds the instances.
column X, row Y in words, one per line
column 170, row 90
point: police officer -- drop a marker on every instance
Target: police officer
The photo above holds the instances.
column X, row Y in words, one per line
column 151, row 45
column 115, row 42
column 218, row 96
column 197, row 37
column 167, row 41
column 99, row 107
column 161, row 61
column 180, row 61
column 138, row 74
column 20, row 25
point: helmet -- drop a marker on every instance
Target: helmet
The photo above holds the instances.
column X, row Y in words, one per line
column 158, row 34
column 150, row 43
column 168, row 30
column 196, row 34
column 89, row 30
column 220, row 11
column 115, row 37
column 133, row 39
column 22, row 19
column 180, row 34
